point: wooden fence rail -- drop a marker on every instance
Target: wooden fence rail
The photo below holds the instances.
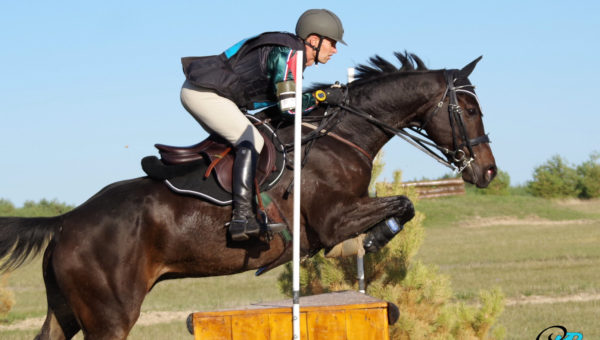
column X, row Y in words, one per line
column 438, row 188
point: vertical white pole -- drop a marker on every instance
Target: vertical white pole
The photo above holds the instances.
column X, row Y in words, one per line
column 360, row 263
column 297, row 190
column 350, row 74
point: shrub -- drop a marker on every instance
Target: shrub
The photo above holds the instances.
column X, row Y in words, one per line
column 554, row 179
column 7, row 297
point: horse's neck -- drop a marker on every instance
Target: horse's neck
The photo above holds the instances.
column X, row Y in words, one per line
column 396, row 101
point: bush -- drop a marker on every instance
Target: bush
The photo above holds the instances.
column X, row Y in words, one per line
column 555, row 179
column 589, row 177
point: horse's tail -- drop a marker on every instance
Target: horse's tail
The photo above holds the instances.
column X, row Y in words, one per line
column 23, row 238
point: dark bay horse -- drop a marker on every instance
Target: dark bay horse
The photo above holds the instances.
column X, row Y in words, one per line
column 103, row 257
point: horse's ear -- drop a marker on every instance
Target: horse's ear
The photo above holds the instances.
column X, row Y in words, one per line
column 466, row 71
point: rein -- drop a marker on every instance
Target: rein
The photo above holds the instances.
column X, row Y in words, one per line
column 425, row 144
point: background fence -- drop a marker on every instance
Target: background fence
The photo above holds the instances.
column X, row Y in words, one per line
column 438, row 188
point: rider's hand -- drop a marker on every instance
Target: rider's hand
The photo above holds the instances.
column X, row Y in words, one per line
column 334, row 95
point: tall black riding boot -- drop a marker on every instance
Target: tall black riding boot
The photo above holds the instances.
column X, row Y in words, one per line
column 243, row 223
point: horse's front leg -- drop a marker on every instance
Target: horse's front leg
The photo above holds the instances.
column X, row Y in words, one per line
column 349, row 218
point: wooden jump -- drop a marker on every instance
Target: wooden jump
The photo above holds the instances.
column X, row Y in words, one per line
column 347, row 315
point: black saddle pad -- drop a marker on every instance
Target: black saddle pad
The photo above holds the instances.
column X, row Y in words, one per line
column 188, row 179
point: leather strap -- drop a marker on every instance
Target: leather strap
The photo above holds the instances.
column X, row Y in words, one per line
column 341, row 139
column 214, row 163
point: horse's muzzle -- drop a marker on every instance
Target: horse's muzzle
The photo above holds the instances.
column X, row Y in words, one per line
column 479, row 175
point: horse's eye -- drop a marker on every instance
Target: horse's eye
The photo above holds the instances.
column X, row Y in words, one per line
column 472, row 112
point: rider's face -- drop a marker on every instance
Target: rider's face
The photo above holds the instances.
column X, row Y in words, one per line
column 327, row 50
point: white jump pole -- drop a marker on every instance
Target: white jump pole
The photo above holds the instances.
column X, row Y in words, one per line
column 360, row 264
column 297, row 190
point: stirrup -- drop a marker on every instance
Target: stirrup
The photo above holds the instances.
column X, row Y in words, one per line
column 239, row 231
column 270, row 227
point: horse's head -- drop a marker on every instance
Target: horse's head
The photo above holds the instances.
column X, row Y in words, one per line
column 440, row 105
column 456, row 125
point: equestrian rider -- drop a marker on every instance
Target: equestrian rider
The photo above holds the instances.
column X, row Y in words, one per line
column 254, row 73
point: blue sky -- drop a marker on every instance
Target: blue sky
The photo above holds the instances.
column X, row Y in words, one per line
column 87, row 87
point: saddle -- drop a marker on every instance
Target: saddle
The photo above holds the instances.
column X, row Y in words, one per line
column 205, row 169
column 220, row 158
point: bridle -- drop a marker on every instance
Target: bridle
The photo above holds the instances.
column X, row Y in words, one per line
column 459, row 160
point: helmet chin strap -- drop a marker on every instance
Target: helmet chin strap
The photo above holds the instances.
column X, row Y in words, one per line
column 318, row 49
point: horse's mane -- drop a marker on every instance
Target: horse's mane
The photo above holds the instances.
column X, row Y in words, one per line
column 378, row 66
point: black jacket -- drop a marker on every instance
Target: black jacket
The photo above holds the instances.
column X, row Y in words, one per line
column 239, row 72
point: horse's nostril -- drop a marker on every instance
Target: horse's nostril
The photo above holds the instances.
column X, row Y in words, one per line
column 491, row 172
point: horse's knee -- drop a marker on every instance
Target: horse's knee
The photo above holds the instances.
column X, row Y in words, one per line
column 407, row 212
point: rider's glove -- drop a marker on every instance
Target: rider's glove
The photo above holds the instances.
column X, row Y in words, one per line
column 334, row 95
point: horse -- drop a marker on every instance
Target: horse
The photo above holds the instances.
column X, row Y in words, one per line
column 103, row 257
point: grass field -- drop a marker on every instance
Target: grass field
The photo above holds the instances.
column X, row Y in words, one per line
column 543, row 255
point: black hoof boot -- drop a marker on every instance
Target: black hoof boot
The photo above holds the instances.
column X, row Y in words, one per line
column 381, row 234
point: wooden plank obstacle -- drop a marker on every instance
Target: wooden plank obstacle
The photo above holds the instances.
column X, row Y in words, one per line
column 438, row 188
column 345, row 315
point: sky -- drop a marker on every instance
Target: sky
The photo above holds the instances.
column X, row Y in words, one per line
column 88, row 87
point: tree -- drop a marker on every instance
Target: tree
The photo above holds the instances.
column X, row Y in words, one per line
column 588, row 184
column 554, row 179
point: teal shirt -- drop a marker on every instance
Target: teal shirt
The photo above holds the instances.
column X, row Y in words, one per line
column 281, row 67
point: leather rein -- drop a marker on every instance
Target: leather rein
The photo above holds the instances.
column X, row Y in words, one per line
column 423, row 142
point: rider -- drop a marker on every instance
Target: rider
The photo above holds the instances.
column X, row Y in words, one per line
column 255, row 73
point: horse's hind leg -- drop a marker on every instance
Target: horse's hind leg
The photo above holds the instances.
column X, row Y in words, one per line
column 60, row 322
column 105, row 299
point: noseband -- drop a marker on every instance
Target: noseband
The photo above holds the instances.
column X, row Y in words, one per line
column 459, row 160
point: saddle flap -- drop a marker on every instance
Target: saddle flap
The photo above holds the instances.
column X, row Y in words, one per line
column 215, row 152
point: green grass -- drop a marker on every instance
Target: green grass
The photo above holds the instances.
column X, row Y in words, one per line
column 445, row 212
column 479, row 241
